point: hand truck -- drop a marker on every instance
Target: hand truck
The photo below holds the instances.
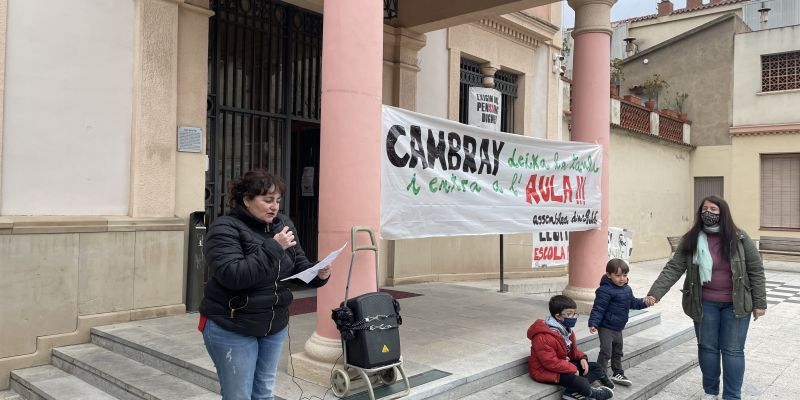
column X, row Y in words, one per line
column 350, row 376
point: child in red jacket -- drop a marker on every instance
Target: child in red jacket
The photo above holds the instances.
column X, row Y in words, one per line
column 555, row 357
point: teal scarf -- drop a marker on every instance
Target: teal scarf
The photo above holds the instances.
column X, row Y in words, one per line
column 702, row 256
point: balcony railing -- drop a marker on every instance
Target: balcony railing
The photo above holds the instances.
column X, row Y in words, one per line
column 629, row 114
column 670, row 128
column 635, row 118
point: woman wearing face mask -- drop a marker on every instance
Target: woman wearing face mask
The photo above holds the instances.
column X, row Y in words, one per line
column 724, row 284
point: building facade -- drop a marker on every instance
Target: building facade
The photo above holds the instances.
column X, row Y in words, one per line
column 123, row 118
column 764, row 154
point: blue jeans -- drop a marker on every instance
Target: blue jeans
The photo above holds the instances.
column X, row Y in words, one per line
column 721, row 333
column 246, row 365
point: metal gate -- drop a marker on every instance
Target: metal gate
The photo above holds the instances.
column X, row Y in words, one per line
column 264, row 73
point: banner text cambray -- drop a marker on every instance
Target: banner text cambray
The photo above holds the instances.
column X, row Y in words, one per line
column 442, row 178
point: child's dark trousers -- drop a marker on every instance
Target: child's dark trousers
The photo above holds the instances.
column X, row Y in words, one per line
column 582, row 384
column 610, row 349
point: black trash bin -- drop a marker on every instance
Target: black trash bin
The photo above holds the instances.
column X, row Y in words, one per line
column 196, row 270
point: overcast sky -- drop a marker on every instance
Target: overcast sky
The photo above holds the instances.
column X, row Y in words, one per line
column 623, row 9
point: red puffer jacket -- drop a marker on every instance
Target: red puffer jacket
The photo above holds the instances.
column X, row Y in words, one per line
column 549, row 353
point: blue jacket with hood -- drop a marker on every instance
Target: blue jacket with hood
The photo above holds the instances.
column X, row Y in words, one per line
column 611, row 305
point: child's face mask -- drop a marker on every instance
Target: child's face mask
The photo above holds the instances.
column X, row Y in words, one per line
column 570, row 318
column 570, row 322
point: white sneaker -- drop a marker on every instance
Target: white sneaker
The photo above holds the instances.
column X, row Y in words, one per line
column 710, row 397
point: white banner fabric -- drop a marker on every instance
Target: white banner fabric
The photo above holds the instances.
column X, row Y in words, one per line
column 550, row 249
column 484, row 108
column 442, row 178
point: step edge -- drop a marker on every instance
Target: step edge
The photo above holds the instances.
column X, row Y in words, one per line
column 98, row 379
column 120, row 382
column 654, row 387
column 672, row 338
column 33, row 389
column 191, row 373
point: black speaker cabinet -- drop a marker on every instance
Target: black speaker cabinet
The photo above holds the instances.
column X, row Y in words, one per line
column 379, row 343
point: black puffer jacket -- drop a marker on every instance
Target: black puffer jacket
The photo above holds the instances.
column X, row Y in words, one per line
column 244, row 292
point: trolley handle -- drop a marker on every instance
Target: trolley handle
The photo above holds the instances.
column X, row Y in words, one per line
column 373, row 244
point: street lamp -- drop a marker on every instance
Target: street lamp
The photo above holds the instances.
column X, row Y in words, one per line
column 764, row 11
column 630, row 46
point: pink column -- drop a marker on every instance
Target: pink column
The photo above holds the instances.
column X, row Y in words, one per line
column 590, row 123
column 349, row 190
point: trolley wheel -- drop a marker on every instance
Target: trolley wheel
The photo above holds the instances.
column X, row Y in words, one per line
column 340, row 382
column 388, row 376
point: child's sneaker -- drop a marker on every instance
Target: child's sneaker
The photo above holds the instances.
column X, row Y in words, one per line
column 621, row 379
column 574, row 396
column 710, row 397
column 602, row 393
column 606, row 382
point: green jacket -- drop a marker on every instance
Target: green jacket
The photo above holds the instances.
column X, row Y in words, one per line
column 749, row 288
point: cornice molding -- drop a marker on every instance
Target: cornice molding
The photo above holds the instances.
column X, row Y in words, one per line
column 515, row 34
column 765, row 130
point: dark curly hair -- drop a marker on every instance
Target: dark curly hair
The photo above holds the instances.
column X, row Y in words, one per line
column 253, row 183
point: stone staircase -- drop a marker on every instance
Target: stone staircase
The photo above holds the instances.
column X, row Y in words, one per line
column 127, row 362
column 651, row 366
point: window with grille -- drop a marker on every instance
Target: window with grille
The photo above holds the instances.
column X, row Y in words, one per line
column 504, row 82
column 780, row 191
column 780, row 71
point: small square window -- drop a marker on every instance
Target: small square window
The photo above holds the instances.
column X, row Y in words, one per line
column 780, row 71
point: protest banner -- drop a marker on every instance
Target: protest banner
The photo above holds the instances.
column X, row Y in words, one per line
column 442, row 178
column 620, row 243
column 484, row 108
column 550, row 248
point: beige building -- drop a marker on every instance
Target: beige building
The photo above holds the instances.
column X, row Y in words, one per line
column 115, row 129
column 668, row 22
column 649, row 175
column 685, row 62
column 633, row 35
column 515, row 54
column 764, row 154
column 742, row 87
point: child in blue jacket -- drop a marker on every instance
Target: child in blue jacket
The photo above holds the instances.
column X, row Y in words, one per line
column 612, row 302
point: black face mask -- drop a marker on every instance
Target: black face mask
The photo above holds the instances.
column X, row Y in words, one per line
column 709, row 218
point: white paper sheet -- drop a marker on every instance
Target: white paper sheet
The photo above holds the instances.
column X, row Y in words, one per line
column 309, row 274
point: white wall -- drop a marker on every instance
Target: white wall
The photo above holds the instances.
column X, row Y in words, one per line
column 432, row 78
column 68, row 107
column 750, row 105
